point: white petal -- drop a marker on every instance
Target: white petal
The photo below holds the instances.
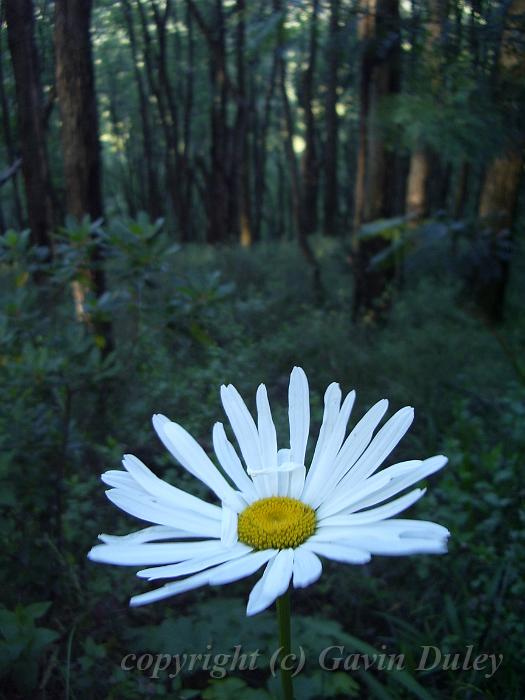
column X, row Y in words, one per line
column 283, row 455
column 398, row 482
column 240, row 568
column 402, row 527
column 345, row 500
column 170, row 589
column 191, row 566
column 332, row 402
column 402, row 546
column 296, row 481
column 117, row 478
column 323, row 467
column 167, row 493
column 147, row 508
column 352, row 448
column 148, row 534
column 228, row 527
column 307, row 567
column 190, row 454
column 267, row 435
column 149, row 554
column 338, row 552
column 231, row 463
column 380, row 447
column 243, row 426
column 395, row 536
column 374, row 514
column 274, row 582
column 298, row 414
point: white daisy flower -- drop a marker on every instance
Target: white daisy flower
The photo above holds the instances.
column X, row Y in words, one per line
column 274, row 513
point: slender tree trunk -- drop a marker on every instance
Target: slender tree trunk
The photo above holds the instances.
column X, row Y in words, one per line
column 499, row 194
column 151, row 61
column 423, row 161
column 241, row 170
column 331, row 214
column 31, row 129
column 80, row 143
column 298, row 217
column 221, row 196
column 416, row 197
column 260, row 148
column 374, row 187
column 187, row 126
column 310, row 166
column 76, row 95
column 10, row 145
column 153, row 196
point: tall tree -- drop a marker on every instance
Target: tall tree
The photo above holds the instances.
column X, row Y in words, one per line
column 9, row 142
column 416, row 200
column 31, row 125
column 379, row 32
column 241, row 160
column 331, row 202
column 310, row 165
column 299, row 223
column 153, row 196
column 220, row 190
column 80, row 142
column 78, row 108
column 499, row 194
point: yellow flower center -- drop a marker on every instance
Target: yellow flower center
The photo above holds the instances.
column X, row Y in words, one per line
column 278, row 522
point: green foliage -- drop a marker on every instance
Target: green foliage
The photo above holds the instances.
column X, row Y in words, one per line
column 184, row 322
column 23, row 645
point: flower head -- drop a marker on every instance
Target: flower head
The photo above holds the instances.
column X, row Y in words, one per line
column 274, row 513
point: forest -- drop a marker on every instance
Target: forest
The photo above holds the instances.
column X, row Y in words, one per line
column 196, row 193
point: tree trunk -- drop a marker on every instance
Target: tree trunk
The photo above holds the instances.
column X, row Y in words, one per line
column 374, row 198
column 331, row 214
column 31, row 130
column 241, row 169
column 260, row 138
column 499, row 194
column 187, row 129
column 76, row 95
column 416, row 199
column 298, row 216
column 10, row 146
column 422, row 161
column 221, row 197
column 81, row 149
column 152, row 192
column 310, row 166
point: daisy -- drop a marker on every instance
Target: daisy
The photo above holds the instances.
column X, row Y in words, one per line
column 273, row 513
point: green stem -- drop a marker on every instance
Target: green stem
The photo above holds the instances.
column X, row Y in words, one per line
column 285, row 637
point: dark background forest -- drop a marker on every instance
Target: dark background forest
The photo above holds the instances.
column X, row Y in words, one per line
column 197, row 192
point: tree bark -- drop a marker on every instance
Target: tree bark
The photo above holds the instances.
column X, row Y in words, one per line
column 499, row 194
column 379, row 32
column 298, row 216
column 153, row 195
column 78, row 110
column 310, row 166
column 31, row 129
column 9, row 144
column 331, row 202
column 80, row 143
column 241, row 165
column 220, row 189
column 423, row 161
